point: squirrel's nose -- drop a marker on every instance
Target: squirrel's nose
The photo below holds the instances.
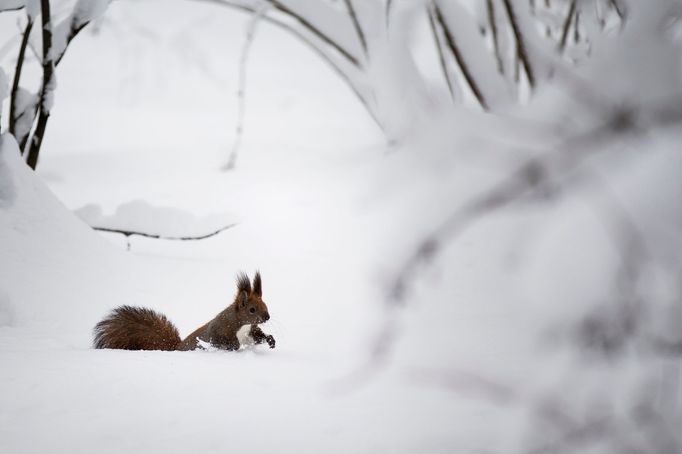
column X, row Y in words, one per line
column 266, row 317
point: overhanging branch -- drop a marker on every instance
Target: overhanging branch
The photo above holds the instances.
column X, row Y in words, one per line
column 333, row 61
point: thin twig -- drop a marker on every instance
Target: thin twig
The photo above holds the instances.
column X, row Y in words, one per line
column 241, row 91
column 520, row 43
column 441, row 55
column 356, row 24
column 450, row 40
column 493, row 30
column 17, row 77
column 315, row 31
column 74, row 30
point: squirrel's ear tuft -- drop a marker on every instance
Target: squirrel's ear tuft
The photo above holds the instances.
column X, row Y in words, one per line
column 243, row 283
column 242, row 299
column 257, row 284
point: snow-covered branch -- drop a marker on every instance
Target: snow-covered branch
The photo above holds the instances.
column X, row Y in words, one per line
column 49, row 84
column 26, row 107
column 156, row 236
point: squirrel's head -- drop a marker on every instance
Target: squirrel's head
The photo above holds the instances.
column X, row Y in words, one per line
column 249, row 300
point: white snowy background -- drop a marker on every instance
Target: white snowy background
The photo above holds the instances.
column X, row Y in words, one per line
column 460, row 281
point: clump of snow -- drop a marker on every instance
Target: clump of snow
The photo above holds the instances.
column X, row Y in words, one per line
column 60, row 33
column 25, row 105
column 83, row 12
column 89, row 10
column 47, row 102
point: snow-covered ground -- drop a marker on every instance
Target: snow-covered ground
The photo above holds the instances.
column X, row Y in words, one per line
column 144, row 120
column 145, row 112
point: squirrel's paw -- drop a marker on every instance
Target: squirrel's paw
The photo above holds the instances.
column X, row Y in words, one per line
column 270, row 340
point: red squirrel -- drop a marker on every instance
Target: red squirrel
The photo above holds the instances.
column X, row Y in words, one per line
column 138, row 328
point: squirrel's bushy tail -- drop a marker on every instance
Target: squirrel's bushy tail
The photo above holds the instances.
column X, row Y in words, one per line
column 136, row 328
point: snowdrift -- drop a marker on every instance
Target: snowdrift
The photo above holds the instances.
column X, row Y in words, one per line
column 57, row 272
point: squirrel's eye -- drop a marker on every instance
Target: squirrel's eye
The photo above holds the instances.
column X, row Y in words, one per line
column 252, row 310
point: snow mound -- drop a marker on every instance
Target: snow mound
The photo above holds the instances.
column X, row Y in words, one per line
column 39, row 234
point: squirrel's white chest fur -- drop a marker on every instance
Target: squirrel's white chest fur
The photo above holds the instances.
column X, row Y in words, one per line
column 244, row 336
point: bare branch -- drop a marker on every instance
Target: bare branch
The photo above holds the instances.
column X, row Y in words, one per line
column 241, row 92
column 315, row 31
column 356, row 24
column 450, row 40
column 305, row 23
